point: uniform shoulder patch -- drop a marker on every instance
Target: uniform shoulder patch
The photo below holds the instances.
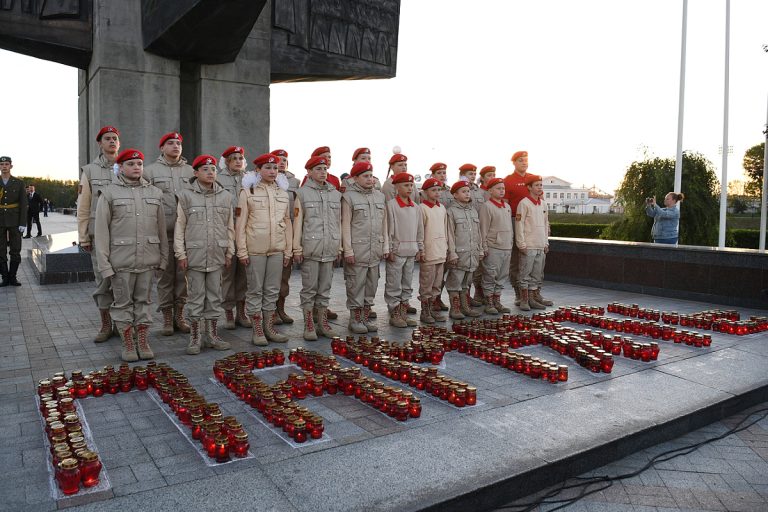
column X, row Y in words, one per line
column 296, row 212
column 237, row 211
column 519, row 216
column 79, row 189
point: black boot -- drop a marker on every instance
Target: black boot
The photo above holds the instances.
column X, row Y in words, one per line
column 12, row 274
column 4, row 274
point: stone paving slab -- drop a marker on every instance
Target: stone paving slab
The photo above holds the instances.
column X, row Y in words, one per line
column 370, row 461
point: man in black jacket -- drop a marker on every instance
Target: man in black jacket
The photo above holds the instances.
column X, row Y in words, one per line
column 35, row 203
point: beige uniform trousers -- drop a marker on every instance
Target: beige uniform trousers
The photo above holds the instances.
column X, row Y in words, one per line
column 361, row 282
column 514, row 264
column 103, row 293
column 430, row 280
column 316, row 277
column 204, row 297
column 532, row 269
column 398, row 287
column 233, row 284
column 263, row 283
column 172, row 286
column 131, row 305
column 458, row 279
column 495, row 270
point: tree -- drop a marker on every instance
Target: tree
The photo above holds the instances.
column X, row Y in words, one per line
column 738, row 204
column 63, row 194
column 655, row 178
column 753, row 167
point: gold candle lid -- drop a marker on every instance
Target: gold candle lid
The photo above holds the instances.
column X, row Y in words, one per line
column 69, row 464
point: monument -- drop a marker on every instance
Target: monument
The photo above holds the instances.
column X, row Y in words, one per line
column 200, row 66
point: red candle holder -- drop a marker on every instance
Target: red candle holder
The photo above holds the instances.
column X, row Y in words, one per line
column 68, row 476
column 90, row 467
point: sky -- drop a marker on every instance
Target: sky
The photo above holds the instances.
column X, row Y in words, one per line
column 585, row 87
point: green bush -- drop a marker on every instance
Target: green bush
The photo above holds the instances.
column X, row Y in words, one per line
column 743, row 238
column 577, row 230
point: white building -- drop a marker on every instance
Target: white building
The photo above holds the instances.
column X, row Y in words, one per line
column 562, row 197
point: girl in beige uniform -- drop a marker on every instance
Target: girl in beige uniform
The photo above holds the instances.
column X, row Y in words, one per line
column 263, row 240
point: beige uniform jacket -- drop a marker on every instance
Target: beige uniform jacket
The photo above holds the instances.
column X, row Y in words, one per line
column 435, row 219
column 532, row 225
column 364, row 225
column 496, row 225
column 263, row 222
column 389, row 191
column 232, row 183
column 478, row 196
column 405, row 228
column 130, row 229
column 348, row 182
column 171, row 179
column 317, row 222
column 293, row 186
column 205, row 227
column 464, row 243
column 94, row 179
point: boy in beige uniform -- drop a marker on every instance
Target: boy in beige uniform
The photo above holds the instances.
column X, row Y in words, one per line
column 406, row 245
column 435, row 222
column 465, row 250
column 468, row 172
column 487, row 173
column 130, row 245
column 317, row 245
column 233, row 277
column 496, row 233
column 366, row 241
column 360, row 155
column 439, row 171
column 532, row 238
column 204, row 244
column 94, row 179
column 171, row 174
column 263, row 240
column 397, row 164
column 285, row 176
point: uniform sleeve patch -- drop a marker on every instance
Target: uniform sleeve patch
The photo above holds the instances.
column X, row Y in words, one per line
column 519, row 216
column 237, row 211
column 295, row 212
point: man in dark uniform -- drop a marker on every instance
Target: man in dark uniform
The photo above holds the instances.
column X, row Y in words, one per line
column 13, row 216
column 34, row 207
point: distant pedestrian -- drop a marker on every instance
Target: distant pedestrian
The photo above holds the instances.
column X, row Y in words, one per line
column 35, row 206
column 46, row 206
column 666, row 221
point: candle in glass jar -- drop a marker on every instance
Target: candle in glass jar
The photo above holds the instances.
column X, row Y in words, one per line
column 221, row 449
column 90, row 467
column 240, row 446
column 68, row 476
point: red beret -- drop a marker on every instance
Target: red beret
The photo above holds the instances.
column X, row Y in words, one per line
column 172, row 135
column 403, row 177
column 493, row 182
column 322, row 149
column 398, row 157
column 456, row 186
column 467, row 167
column 203, row 160
column 431, row 182
column 315, row 161
column 280, row 152
column 359, row 168
column 530, row 178
column 487, row 168
column 232, row 149
column 267, row 158
column 360, row 151
column 438, row 166
column 106, row 129
column 130, row 154
column 519, row 154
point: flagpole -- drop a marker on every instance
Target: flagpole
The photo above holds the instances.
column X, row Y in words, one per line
column 724, row 180
column 681, row 104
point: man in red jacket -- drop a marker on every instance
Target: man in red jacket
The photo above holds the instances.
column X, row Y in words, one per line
column 516, row 190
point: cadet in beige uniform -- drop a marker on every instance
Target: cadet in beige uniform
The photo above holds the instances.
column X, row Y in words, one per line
column 94, row 179
column 264, row 245
column 468, row 173
column 406, row 245
column 487, row 173
column 233, row 278
column 366, row 241
column 361, row 155
column 171, row 174
column 204, row 244
column 465, row 250
column 317, row 245
column 435, row 221
column 397, row 164
column 130, row 245
column 281, row 317
column 496, row 234
column 532, row 238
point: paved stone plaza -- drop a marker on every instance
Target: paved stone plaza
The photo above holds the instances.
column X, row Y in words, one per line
column 367, row 461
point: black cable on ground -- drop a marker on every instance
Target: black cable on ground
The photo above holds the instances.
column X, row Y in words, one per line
column 606, row 481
